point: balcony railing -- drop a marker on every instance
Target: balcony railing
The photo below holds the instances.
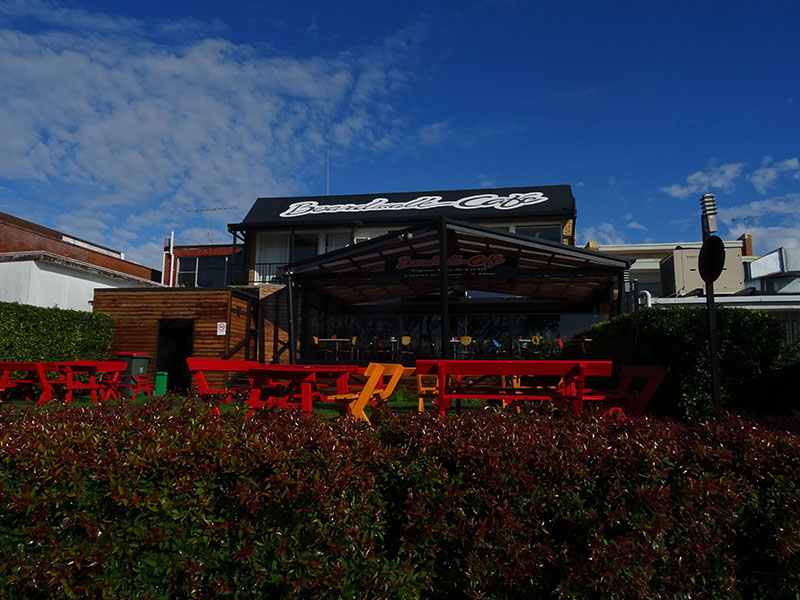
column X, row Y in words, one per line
column 255, row 273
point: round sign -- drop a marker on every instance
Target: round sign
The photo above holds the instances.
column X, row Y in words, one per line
column 712, row 258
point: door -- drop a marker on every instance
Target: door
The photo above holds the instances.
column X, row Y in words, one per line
column 174, row 346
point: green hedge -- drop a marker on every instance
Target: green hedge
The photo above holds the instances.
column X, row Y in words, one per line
column 158, row 503
column 33, row 333
column 750, row 345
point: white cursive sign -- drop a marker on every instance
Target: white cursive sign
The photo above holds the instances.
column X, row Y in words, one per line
column 510, row 202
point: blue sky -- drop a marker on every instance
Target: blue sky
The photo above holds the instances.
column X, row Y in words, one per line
column 121, row 122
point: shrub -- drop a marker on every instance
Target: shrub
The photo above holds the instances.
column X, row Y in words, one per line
column 33, row 333
column 749, row 343
column 150, row 502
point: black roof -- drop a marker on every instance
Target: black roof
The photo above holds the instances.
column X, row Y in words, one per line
column 498, row 204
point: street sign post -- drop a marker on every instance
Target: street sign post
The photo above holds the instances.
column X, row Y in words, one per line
column 711, row 262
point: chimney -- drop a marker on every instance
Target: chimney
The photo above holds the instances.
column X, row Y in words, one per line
column 747, row 244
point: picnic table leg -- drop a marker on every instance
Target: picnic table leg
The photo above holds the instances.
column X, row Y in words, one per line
column 94, row 387
column 46, row 388
column 306, row 405
column 254, row 401
column 441, row 383
column 577, row 404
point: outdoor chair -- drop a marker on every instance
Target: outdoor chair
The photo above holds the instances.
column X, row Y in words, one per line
column 637, row 384
column 355, row 402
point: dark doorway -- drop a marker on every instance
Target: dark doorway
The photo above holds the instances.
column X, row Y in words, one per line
column 175, row 340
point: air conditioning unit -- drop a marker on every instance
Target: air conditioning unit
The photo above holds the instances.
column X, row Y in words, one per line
column 680, row 275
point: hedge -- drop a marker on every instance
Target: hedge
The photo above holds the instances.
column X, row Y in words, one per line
column 33, row 333
column 751, row 344
column 153, row 502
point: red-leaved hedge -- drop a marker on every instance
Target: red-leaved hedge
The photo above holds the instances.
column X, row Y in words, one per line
column 152, row 502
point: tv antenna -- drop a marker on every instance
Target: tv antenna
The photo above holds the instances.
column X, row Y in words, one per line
column 208, row 216
column 744, row 219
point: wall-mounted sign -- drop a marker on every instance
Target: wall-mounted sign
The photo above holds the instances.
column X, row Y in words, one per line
column 457, row 264
column 553, row 202
column 222, row 328
column 476, row 202
column 477, row 261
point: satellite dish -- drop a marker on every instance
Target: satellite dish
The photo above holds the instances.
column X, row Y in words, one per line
column 712, row 259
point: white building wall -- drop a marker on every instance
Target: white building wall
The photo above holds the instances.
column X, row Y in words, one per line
column 15, row 281
column 45, row 284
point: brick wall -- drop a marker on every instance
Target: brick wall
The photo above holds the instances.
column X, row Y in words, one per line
column 19, row 236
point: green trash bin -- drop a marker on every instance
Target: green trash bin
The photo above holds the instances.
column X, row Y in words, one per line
column 137, row 367
column 161, row 383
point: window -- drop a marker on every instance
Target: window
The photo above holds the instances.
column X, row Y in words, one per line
column 336, row 240
column 211, row 271
column 306, row 245
column 187, row 271
column 202, row 271
column 272, row 251
column 551, row 233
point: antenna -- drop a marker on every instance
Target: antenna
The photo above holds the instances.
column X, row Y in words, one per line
column 744, row 219
column 209, row 210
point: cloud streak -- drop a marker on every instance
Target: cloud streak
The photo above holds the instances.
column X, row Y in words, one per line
column 766, row 176
column 715, row 177
column 111, row 120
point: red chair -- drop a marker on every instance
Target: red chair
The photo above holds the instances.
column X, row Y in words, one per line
column 136, row 384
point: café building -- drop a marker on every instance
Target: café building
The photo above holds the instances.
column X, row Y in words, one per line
column 487, row 273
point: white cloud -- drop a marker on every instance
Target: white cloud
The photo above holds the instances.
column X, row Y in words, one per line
column 432, row 134
column 637, row 225
column 486, row 181
column 765, row 177
column 128, row 133
column 786, row 206
column 715, row 177
column 604, row 233
column 782, row 213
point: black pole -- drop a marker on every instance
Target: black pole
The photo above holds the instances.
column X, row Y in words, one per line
column 292, row 332
column 713, row 345
column 446, row 350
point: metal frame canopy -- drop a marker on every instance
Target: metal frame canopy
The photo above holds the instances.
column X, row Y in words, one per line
column 405, row 264
column 535, row 203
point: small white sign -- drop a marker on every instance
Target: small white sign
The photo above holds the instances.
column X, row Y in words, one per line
column 222, row 328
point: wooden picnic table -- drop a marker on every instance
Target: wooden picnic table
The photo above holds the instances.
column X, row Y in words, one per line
column 505, row 380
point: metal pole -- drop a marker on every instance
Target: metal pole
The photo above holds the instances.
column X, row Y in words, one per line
column 708, row 221
column 292, row 332
column 713, row 344
column 446, row 350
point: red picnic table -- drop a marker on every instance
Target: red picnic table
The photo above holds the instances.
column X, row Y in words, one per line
column 282, row 384
column 489, row 380
column 103, row 378
column 350, row 387
column 289, row 386
column 30, row 377
column 101, row 381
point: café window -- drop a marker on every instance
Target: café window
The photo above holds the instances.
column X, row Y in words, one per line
column 306, row 245
column 335, row 240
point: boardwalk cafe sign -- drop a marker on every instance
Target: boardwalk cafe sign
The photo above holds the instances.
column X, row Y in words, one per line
column 474, row 202
column 457, row 264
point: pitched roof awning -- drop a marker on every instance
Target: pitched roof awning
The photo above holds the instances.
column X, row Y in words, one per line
column 405, row 265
